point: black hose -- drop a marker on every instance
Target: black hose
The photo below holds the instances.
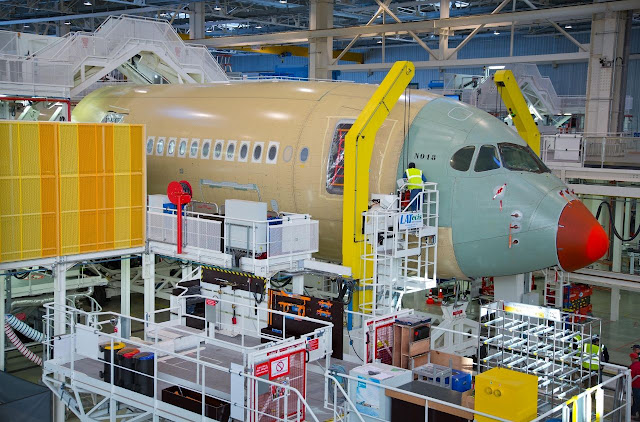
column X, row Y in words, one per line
column 613, row 226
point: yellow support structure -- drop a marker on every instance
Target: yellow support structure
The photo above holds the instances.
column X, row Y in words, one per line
column 509, row 90
column 358, row 149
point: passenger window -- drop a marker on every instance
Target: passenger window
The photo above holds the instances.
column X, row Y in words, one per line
column 217, row 151
column 335, row 165
column 244, row 152
column 231, row 149
column 304, row 154
column 182, row 149
column 287, row 154
column 193, row 151
column 171, row 147
column 160, row 146
column 272, row 153
column 257, row 152
column 150, row 142
column 487, row 159
column 206, row 147
column 461, row 160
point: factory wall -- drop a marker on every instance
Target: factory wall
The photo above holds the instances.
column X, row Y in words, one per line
column 567, row 78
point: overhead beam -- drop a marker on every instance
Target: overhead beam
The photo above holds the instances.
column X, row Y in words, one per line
column 136, row 11
column 457, row 23
column 430, row 64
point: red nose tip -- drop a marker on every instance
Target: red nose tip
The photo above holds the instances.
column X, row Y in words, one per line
column 581, row 240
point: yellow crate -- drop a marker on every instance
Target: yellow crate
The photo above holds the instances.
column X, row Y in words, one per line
column 70, row 188
column 506, row 394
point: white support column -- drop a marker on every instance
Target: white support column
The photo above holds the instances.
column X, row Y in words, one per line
column 618, row 221
column 626, row 232
column 125, row 295
column 59, row 320
column 148, row 275
column 444, row 32
column 320, row 49
column 606, row 80
column 615, row 303
column 298, row 284
column 4, row 280
column 509, row 288
column 196, row 20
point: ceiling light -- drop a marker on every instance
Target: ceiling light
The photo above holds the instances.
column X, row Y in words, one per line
column 26, row 25
column 87, row 3
column 379, row 41
column 258, row 26
column 67, row 23
column 568, row 27
column 217, row 7
column 283, row 1
column 496, row 33
column 496, row 67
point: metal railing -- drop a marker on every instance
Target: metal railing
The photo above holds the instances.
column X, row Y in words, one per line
column 591, row 150
column 612, row 401
column 83, row 330
column 284, row 238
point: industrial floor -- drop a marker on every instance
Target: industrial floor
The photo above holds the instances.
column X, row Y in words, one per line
column 618, row 336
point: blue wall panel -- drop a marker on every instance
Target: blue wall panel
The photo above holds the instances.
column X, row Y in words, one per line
column 567, row 78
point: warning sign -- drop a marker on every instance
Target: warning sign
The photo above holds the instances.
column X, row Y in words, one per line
column 278, row 367
column 210, row 302
column 313, row 344
column 261, row 369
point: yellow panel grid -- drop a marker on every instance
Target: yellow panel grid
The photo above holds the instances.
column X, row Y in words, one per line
column 70, row 188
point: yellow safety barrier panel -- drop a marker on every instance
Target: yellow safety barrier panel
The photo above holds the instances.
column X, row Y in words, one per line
column 68, row 188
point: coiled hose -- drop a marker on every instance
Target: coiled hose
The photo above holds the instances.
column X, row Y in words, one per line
column 13, row 338
column 24, row 329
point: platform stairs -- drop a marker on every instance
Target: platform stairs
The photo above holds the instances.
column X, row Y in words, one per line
column 401, row 248
column 538, row 90
column 138, row 47
column 555, row 282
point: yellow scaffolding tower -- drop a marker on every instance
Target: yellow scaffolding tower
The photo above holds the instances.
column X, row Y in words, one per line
column 509, row 90
column 358, row 149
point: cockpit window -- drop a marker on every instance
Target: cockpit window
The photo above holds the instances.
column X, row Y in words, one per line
column 521, row 158
column 461, row 160
column 487, row 159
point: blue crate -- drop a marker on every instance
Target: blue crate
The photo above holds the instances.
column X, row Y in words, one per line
column 461, row 381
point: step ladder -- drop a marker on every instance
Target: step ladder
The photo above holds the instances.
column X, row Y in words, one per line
column 401, row 245
column 555, row 281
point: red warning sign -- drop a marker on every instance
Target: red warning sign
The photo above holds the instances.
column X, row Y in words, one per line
column 261, row 369
column 313, row 344
column 210, row 302
column 278, row 367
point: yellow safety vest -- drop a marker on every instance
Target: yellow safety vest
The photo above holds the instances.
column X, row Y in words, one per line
column 414, row 177
column 594, row 351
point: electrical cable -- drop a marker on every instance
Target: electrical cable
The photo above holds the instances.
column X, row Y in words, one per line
column 613, row 226
column 351, row 343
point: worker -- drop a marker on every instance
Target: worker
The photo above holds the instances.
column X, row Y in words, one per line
column 635, row 386
column 415, row 179
column 594, row 353
column 636, row 349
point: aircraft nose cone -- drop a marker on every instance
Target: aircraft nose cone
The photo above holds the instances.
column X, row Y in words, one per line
column 580, row 240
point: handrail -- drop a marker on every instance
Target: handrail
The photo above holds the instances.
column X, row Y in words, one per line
column 346, row 396
column 156, row 350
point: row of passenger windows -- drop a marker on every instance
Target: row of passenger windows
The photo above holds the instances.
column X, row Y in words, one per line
column 221, row 150
column 512, row 156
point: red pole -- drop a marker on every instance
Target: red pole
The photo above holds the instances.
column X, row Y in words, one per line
column 179, row 224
